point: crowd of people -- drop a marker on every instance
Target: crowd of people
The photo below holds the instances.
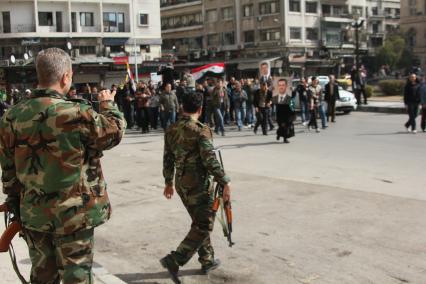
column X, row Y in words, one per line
column 246, row 103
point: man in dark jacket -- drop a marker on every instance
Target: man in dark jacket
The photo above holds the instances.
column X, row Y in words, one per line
column 262, row 103
column 412, row 101
column 331, row 95
column 303, row 91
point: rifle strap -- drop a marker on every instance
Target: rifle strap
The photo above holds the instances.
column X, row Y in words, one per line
column 12, row 254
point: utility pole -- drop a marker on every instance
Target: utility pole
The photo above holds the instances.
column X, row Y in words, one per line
column 136, row 61
column 357, row 25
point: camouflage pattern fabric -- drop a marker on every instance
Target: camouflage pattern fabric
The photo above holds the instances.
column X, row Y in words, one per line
column 56, row 257
column 50, row 151
column 189, row 158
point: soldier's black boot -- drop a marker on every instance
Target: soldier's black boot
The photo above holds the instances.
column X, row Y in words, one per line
column 209, row 267
column 168, row 263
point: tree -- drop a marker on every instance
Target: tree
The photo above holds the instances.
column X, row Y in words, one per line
column 395, row 52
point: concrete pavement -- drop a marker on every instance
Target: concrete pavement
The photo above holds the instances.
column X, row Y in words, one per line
column 346, row 205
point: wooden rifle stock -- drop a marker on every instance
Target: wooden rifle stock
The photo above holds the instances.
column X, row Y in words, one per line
column 12, row 230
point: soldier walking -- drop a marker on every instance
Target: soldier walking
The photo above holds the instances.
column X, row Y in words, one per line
column 189, row 164
column 50, row 150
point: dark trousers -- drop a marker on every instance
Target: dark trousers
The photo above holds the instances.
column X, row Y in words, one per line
column 153, row 117
column 313, row 121
column 128, row 115
column 262, row 120
column 412, row 110
column 358, row 93
column 423, row 122
column 331, row 111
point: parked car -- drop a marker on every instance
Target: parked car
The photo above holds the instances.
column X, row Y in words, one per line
column 347, row 101
column 346, row 104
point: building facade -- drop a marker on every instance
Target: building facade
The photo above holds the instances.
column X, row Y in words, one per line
column 100, row 36
column 296, row 35
column 413, row 24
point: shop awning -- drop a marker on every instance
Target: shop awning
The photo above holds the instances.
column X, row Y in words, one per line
column 114, row 41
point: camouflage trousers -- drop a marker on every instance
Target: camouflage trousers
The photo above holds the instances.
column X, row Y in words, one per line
column 61, row 257
column 199, row 205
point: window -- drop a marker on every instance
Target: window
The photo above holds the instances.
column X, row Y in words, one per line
column 227, row 13
column 311, row 34
column 248, row 10
column 86, row 19
column 357, row 10
column 228, row 38
column 45, row 18
column 295, row 33
column 272, row 34
column 311, row 7
column 375, row 28
column 374, row 11
column 326, row 9
column 87, row 50
column 113, row 22
column 213, row 39
column 211, row 15
column 269, row 8
column 249, row 36
column 143, row 19
column 294, row 5
column 340, row 10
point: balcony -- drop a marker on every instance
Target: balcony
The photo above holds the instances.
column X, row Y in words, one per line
column 18, row 29
column 181, row 26
column 164, row 4
column 337, row 18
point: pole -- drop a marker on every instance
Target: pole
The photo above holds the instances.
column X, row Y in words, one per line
column 136, row 62
column 357, row 46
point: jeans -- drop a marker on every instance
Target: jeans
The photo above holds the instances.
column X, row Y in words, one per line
column 218, row 120
column 304, row 111
column 412, row 110
column 249, row 114
column 323, row 114
column 168, row 117
column 240, row 114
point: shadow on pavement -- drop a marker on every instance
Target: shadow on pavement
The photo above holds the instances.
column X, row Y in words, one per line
column 384, row 134
column 139, row 277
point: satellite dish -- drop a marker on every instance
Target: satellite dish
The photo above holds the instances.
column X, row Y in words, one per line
column 69, row 45
column 12, row 59
column 26, row 56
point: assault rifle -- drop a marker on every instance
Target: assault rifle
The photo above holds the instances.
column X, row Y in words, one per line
column 13, row 228
column 226, row 209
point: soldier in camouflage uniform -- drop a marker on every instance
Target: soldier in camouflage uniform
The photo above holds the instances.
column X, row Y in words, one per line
column 50, row 150
column 189, row 164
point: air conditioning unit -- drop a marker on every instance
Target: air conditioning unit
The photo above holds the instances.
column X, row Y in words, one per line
column 76, row 52
column 197, row 55
column 4, row 63
column 20, row 62
column 107, row 51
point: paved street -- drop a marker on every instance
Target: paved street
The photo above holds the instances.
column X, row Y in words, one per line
column 346, row 205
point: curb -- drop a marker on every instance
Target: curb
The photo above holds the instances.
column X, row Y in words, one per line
column 102, row 276
column 391, row 110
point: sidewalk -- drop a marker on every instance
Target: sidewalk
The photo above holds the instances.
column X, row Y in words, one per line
column 393, row 105
column 101, row 275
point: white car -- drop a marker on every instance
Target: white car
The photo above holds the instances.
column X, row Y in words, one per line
column 346, row 104
column 347, row 101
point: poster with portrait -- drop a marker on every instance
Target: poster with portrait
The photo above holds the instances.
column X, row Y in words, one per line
column 264, row 69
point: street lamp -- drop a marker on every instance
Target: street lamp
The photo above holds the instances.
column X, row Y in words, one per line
column 357, row 25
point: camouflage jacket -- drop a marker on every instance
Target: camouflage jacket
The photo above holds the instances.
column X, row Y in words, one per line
column 50, row 150
column 189, row 153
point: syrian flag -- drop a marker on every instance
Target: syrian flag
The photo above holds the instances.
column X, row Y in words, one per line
column 129, row 77
column 215, row 68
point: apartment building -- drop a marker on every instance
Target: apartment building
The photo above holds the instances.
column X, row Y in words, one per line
column 99, row 34
column 293, row 34
column 413, row 24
